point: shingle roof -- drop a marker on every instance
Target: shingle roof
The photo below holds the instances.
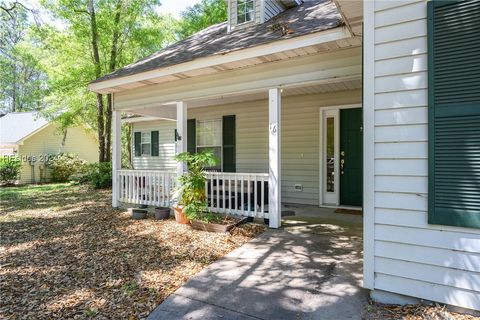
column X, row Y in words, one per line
column 17, row 125
column 310, row 17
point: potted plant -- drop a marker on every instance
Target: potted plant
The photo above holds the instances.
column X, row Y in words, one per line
column 192, row 204
column 191, row 191
column 162, row 213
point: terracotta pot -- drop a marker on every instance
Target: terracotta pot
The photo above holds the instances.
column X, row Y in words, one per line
column 180, row 216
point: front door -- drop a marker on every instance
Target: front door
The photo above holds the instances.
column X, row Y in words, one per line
column 351, row 155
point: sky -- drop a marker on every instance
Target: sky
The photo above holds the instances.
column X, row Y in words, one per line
column 175, row 7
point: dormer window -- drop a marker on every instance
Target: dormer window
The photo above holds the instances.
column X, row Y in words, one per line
column 245, row 11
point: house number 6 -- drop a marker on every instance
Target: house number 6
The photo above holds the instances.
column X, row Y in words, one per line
column 273, row 128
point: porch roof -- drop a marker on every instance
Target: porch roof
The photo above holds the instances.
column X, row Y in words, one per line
column 311, row 17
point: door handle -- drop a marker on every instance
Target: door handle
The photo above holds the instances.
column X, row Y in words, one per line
column 342, row 165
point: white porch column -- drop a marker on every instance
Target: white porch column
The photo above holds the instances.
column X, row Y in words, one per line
column 116, row 154
column 181, row 132
column 274, row 161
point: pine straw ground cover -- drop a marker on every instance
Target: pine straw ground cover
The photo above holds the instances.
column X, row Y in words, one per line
column 375, row 311
column 65, row 253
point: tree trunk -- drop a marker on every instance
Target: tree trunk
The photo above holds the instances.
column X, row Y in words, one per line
column 108, row 128
column 98, row 73
column 14, row 88
column 100, row 128
column 129, row 144
column 112, row 65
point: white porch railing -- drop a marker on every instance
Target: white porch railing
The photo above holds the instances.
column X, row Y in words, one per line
column 149, row 187
column 244, row 194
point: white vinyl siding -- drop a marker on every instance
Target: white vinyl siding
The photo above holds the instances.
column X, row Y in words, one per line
column 411, row 257
column 272, row 8
column 300, row 138
column 166, row 150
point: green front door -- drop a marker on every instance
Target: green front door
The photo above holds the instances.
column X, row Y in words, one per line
column 351, row 155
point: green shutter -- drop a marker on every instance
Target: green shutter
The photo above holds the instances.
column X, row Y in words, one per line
column 137, row 142
column 228, row 132
column 191, row 135
column 454, row 113
column 154, row 143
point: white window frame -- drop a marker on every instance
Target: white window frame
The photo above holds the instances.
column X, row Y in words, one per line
column 197, row 146
column 245, row 12
column 142, row 132
column 330, row 197
column 149, row 135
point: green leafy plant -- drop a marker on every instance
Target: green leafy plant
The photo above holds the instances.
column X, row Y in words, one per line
column 99, row 174
column 10, row 168
column 191, row 192
column 64, row 166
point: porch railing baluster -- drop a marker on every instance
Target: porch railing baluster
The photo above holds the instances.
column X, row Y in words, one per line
column 225, row 192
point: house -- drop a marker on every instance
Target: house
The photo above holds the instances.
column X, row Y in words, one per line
column 33, row 139
column 371, row 104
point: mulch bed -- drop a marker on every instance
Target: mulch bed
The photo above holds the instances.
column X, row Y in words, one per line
column 376, row 311
column 349, row 211
column 68, row 255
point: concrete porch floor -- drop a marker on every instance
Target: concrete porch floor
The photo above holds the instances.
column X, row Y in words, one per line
column 309, row 269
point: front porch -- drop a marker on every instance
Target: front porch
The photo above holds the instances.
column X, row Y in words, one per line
column 300, row 165
column 281, row 147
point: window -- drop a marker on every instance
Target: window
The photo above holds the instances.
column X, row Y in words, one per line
column 245, row 10
column 209, row 137
column 217, row 135
column 330, row 153
column 146, row 143
column 453, row 113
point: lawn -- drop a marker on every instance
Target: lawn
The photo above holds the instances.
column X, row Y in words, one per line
column 65, row 253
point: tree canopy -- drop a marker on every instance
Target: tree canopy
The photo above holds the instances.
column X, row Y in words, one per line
column 202, row 15
column 47, row 66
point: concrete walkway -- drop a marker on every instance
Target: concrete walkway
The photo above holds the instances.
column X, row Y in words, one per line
column 311, row 269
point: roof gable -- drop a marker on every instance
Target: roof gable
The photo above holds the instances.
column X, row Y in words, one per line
column 16, row 126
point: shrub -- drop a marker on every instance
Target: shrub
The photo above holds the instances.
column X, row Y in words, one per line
column 100, row 174
column 64, row 166
column 192, row 185
column 10, row 168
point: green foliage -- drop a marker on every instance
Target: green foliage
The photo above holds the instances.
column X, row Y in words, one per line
column 64, row 166
column 201, row 16
column 66, row 53
column 192, row 184
column 98, row 174
column 127, row 146
column 22, row 80
column 9, row 169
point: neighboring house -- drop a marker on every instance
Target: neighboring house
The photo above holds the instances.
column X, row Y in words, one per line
column 32, row 138
column 303, row 105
